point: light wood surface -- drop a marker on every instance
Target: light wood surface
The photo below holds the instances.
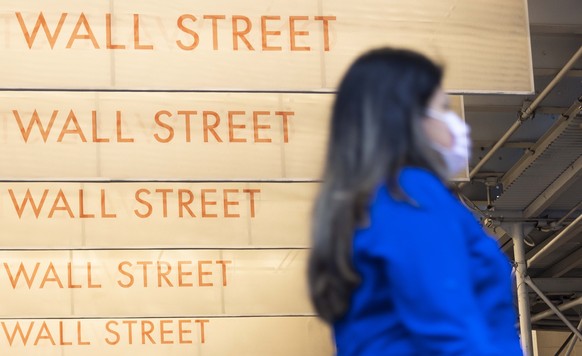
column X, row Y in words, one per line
column 199, row 245
column 126, row 215
column 258, row 45
column 284, row 336
column 152, row 283
column 165, row 136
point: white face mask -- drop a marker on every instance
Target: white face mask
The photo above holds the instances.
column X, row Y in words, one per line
column 456, row 156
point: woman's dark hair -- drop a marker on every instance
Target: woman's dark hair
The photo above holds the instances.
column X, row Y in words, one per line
column 375, row 131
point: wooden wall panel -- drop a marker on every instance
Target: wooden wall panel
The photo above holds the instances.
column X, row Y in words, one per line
column 122, row 215
column 165, row 136
column 282, row 336
column 152, row 283
column 122, row 44
column 192, row 108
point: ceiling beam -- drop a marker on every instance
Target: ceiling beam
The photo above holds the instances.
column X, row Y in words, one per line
column 554, row 190
column 514, row 109
column 559, row 239
column 527, row 113
column 567, row 30
column 564, row 266
column 508, row 144
column 542, row 72
column 542, row 144
column 559, row 285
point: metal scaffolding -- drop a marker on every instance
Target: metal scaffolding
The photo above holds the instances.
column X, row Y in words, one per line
column 559, row 149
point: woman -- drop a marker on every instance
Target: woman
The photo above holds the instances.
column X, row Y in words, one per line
column 398, row 265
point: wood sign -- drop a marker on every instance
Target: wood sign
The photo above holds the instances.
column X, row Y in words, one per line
column 193, row 336
column 133, row 215
column 153, row 283
column 258, row 45
column 159, row 160
column 169, row 136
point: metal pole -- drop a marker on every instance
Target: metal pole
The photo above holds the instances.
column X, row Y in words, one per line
column 564, row 306
column 573, row 341
column 526, row 113
column 522, row 294
column 559, row 222
column 553, row 307
column 553, row 83
column 554, row 240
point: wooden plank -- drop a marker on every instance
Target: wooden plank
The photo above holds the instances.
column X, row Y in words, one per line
column 126, row 215
column 165, row 136
column 282, row 336
column 153, row 283
column 234, row 45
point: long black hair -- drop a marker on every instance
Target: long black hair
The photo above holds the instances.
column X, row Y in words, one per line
column 375, row 131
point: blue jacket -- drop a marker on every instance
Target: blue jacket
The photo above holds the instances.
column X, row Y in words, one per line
column 433, row 283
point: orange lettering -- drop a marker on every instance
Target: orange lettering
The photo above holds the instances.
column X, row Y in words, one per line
column 187, row 114
column 210, row 128
column 17, row 329
column 104, row 213
column 89, row 36
column 202, row 273
column 65, row 207
column 164, row 332
column 109, row 41
column 214, row 19
column 185, row 204
column 136, row 43
column 108, row 328
column 294, row 33
column 223, row 264
column 35, row 121
column 192, row 33
column 232, row 126
column 266, row 33
column 164, row 125
column 90, row 279
column 118, row 128
column 257, row 127
column 145, row 265
column 82, row 206
column 163, row 275
column 79, row 334
column 21, row 271
column 164, row 200
column 70, row 275
column 27, row 198
column 94, row 127
column 62, row 341
column 285, row 116
column 130, row 324
column 147, row 332
column 202, row 335
column 40, row 21
column 77, row 130
column 147, row 204
column 125, row 273
column 252, row 193
column 55, row 277
column 182, row 331
column 182, row 273
column 44, row 333
column 204, row 203
column 325, row 20
column 236, row 33
column 227, row 203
